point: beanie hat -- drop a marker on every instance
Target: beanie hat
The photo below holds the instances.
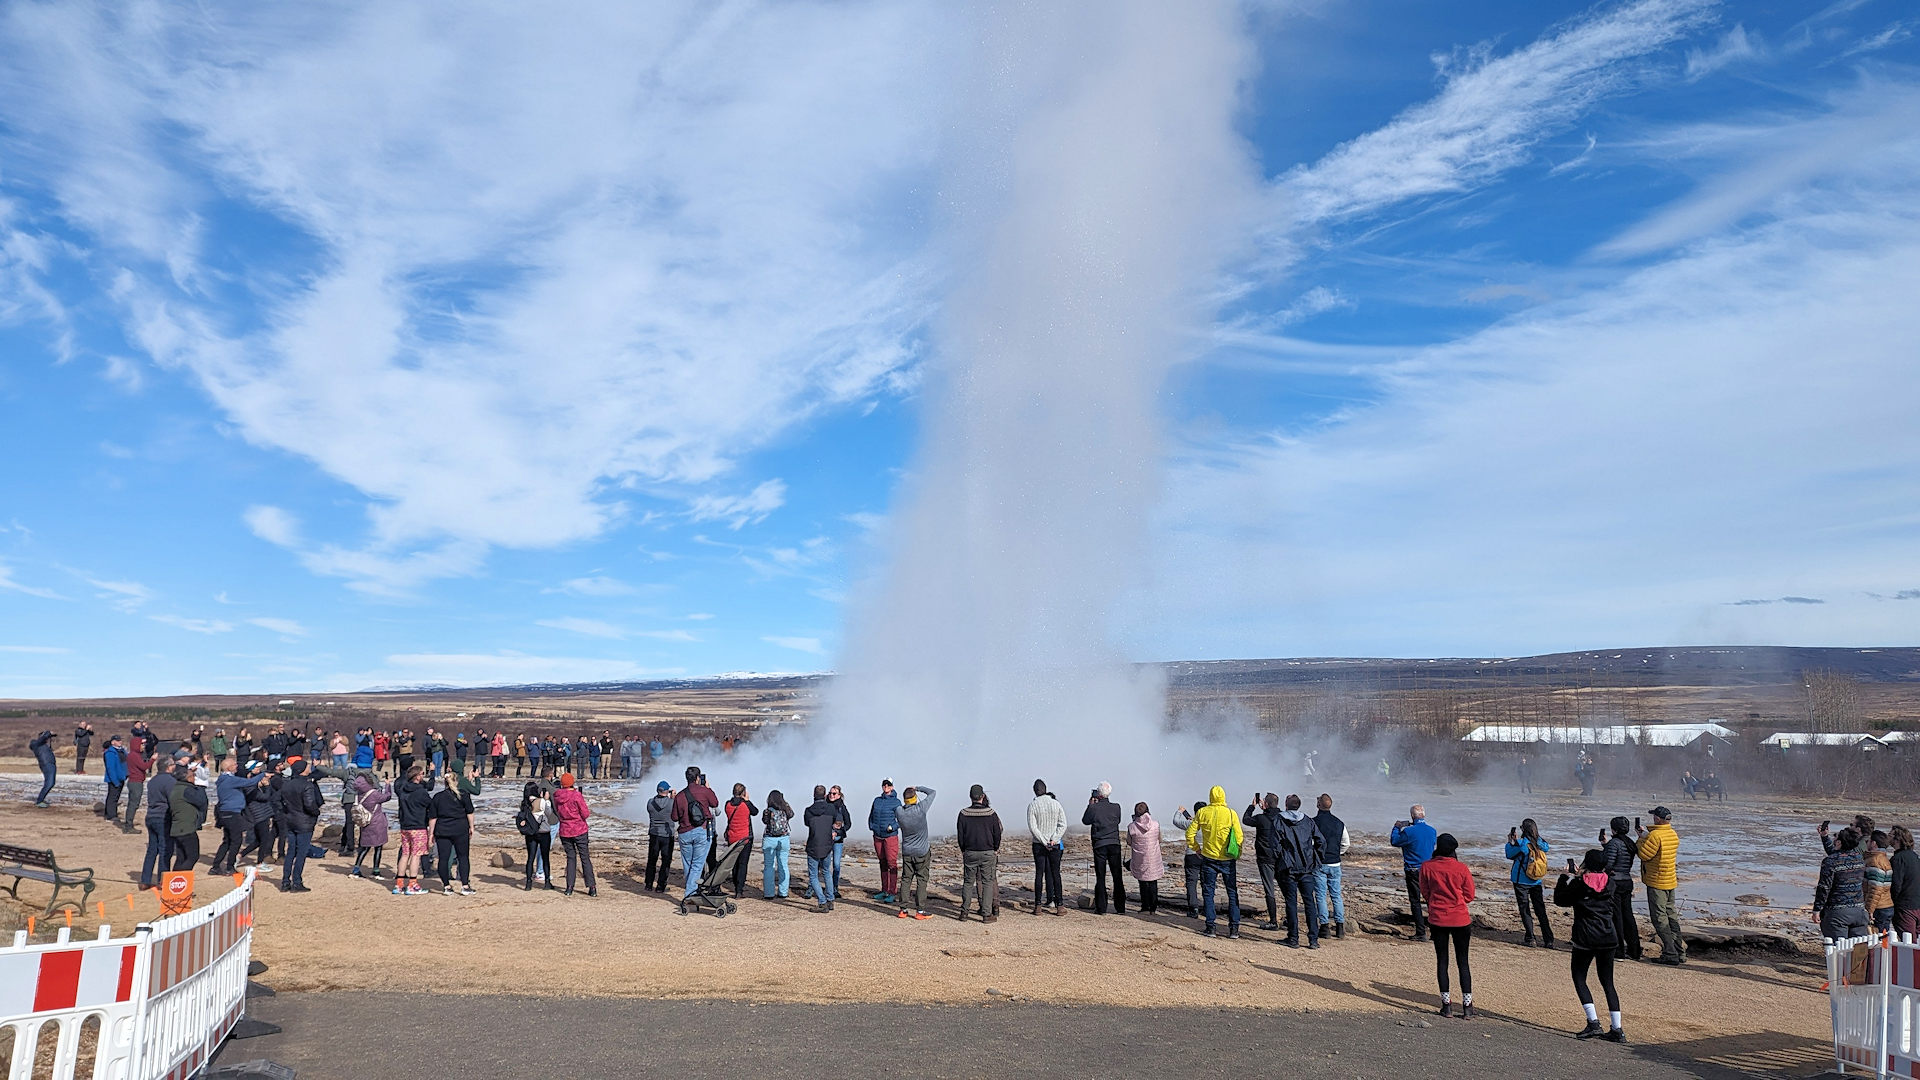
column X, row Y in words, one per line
column 566, row 779
column 976, row 792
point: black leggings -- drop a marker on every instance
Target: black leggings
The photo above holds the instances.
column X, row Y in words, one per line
column 361, row 856
column 1459, row 936
column 1601, row 959
column 450, row 848
column 1046, row 874
column 540, row 857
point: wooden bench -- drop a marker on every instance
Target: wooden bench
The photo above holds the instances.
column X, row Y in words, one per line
column 22, row 863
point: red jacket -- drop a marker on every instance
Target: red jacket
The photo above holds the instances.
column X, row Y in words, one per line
column 137, row 763
column 1447, row 886
column 571, row 808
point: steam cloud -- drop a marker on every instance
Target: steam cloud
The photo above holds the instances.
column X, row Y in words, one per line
column 1097, row 185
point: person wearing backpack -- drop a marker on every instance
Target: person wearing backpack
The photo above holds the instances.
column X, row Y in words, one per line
column 1528, row 854
column 693, row 811
column 532, row 823
column 659, row 837
column 1214, row 833
column 775, row 842
column 1587, row 888
column 371, row 817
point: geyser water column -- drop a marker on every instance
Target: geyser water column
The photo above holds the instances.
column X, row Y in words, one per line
column 1096, row 183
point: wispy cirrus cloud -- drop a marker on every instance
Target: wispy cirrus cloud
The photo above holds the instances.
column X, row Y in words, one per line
column 9, row 583
column 603, row 629
column 288, row 628
column 1490, row 112
column 740, row 510
column 198, row 626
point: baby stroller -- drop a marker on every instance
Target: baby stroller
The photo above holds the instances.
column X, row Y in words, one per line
column 714, row 884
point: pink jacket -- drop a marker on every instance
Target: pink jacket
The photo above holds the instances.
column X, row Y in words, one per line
column 1143, row 843
column 571, row 808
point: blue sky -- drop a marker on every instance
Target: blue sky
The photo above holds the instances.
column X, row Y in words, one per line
column 355, row 345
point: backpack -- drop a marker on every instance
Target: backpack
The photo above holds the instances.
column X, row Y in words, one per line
column 528, row 822
column 362, row 817
column 1536, row 867
column 697, row 813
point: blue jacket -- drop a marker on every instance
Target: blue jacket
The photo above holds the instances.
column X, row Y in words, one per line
column 42, row 747
column 230, row 791
column 1517, row 854
column 114, row 760
column 884, row 818
column 362, row 753
column 1415, row 843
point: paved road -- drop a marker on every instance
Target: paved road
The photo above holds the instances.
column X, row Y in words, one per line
column 339, row 1035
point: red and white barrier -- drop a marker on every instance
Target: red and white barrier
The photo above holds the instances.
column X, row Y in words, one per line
column 161, row 1000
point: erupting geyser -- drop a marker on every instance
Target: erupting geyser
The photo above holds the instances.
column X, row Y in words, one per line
column 1096, row 184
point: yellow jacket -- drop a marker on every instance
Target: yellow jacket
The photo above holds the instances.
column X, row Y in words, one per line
column 1659, row 854
column 1214, row 827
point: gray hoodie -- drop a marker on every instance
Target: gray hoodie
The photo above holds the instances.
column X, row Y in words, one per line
column 660, row 816
column 913, row 823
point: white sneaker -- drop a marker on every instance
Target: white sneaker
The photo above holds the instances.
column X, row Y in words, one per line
column 448, row 890
column 266, row 868
column 466, row 890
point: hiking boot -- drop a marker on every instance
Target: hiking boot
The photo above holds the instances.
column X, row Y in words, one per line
column 1527, row 942
column 1466, row 1011
column 1269, row 925
column 820, row 909
column 1056, row 909
column 1314, row 944
column 1208, row 932
column 1233, row 935
column 1593, row 1030
column 1617, row 1035
column 1339, row 931
column 1038, row 907
column 1291, row 943
column 1446, row 1008
column 995, row 917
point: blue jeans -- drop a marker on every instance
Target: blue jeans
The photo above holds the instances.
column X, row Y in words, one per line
column 46, row 789
column 159, row 852
column 439, row 763
column 1300, row 890
column 839, row 852
column 773, row 865
column 820, row 879
column 1326, row 887
column 694, row 845
column 1210, row 871
column 298, row 844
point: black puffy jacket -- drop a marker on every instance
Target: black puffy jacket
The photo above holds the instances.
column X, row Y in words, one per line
column 1592, row 912
column 1104, row 816
column 1620, row 853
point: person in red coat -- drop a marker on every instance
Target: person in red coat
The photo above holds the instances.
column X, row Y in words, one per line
column 1447, row 885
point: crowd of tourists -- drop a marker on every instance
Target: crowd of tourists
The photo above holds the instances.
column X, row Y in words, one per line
column 265, row 801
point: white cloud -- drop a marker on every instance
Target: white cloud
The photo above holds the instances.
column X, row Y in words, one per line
column 283, row 627
column 126, row 595
column 1731, row 422
column 739, row 510
column 535, row 260
column 1897, row 32
column 596, row 585
column 8, row 584
column 378, row 569
column 272, row 524
column 1490, row 113
column 123, row 373
column 798, row 644
column 198, row 626
column 1737, row 46
column 699, row 616
column 35, row 650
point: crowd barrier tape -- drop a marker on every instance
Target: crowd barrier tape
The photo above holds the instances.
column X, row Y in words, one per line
column 1873, row 988
column 163, row 999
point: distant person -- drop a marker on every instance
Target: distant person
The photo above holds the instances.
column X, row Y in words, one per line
column 1838, row 902
column 1659, row 850
column 1715, row 789
column 1299, row 864
column 740, row 817
column 1906, row 881
column 531, row 821
column 978, row 832
column 1587, row 888
column 660, row 837
column 1306, row 764
column 883, row 821
column 229, row 814
column 842, row 825
column 571, row 808
column 1262, row 815
column 1415, row 839
column 113, row 764
column 187, row 813
column 414, row 795
column 1334, row 845
column 1689, row 786
column 1876, row 880
column 1621, row 851
column 1447, row 885
column 159, row 807
column 822, row 823
column 82, row 746
column 259, row 823
column 776, row 840
column 452, row 824
column 1527, row 854
column 375, row 828
column 1526, row 776
column 1104, row 816
column 1145, row 858
column 916, row 851
column 1047, row 826
column 520, row 755
column 42, row 747
column 693, row 810
column 1384, row 770
column 1191, row 864
column 139, row 765
column 300, row 804
column 1586, row 772
column 1215, row 834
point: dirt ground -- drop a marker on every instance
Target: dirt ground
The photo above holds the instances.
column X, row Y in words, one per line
column 1751, row 1012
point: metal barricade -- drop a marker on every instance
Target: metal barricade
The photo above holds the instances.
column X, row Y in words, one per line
column 162, row 1000
column 1873, row 989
